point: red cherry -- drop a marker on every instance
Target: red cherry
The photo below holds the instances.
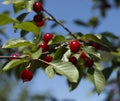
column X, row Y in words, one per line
column 47, row 37
column 38, row 18
column 83, row 55
column 40, row 24
column 26, row 75
column 89, row 62
column 44, row 47
column 14, row 56
column 48, row 58
column 74, row 46
column 37, row 7
column 73, row 60
column 96, row 45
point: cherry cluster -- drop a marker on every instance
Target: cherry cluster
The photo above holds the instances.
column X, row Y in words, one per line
column 45, row 47
column 38, row 18
column 74, row 46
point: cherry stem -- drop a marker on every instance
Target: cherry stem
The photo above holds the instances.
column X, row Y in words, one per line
column 28, row 67
column 43, row 61
column 54, row 19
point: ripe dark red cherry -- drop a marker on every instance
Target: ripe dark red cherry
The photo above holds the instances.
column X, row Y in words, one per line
column 89, row 62
column 47, row 37
column 40, row 24
column 73, row 60
column 37, row 7
column 48, row 58
column 26, row 75
column 74, row 46
column 96, row 45
column 44, row 47
column 14, row 56
column 38, row 18
column 83, row 55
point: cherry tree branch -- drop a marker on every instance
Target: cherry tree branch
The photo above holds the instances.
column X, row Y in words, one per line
column 13, row 57
column 8, row 57
column 54, row 19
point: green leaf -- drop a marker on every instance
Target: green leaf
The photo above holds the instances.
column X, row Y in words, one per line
column 50, row 71
column 12, row 43
column 91, row 37
column 117, row 53
column 38, row 39
column 66, row 69
column 97, row 65
column 117, row 3
column 66, row 55
column 28, row 26
column 22, row 16
column 12, row 1
column 97, row 78
column 18, row 6
column 110, row 35
column 58, row 38
column 6, row 12
column 29, row 4
column 73, row 85
column 94, row 21
column 99, row 81
column 13, row 64
column 106, row 56
column 107, row 72
column 59, row 53
column 90, row 74
column 93, row 52
column 37, row 54
column 81, row 23
column 98, row 39
column 23, row 33
column 5, row 19
column 104, row 42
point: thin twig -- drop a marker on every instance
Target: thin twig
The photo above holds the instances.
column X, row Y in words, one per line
column 8, row 57
column 13, row 57
column 54, row 19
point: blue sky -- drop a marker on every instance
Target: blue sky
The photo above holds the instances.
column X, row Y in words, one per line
column 69, row 10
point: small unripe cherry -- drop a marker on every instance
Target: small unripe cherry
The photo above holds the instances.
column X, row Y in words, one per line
column 73, row 60
column 38, row 18
column 47, row 37
column 26, row 75
column 89, row 62
column 14, row 56
column 83, row 55
column 74, row 46
column 44, row 47
column 37, row 7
